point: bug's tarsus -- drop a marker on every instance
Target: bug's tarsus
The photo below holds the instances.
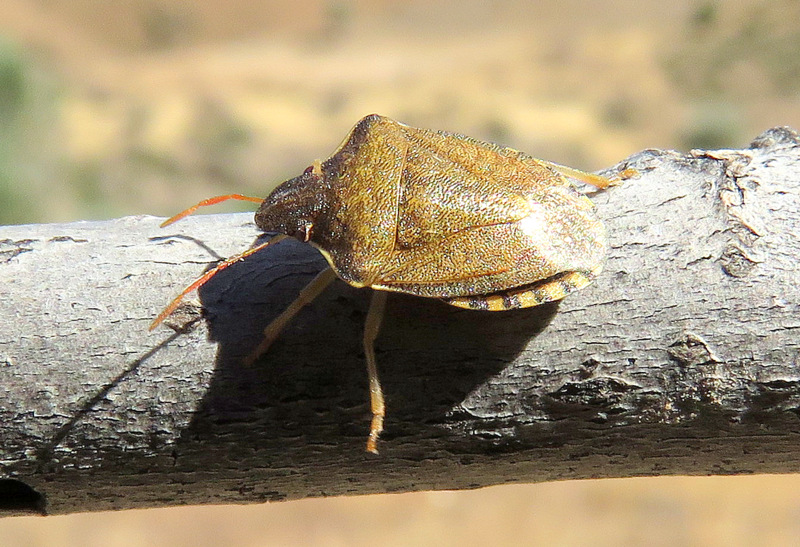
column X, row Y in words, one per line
column 371, row 328
column 625, row 174
column 206, row 202
column 306, row 296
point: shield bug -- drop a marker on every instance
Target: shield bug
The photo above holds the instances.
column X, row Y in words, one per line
column 433, row 214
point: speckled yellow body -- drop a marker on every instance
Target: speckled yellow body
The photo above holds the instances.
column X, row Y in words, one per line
column 442, row 215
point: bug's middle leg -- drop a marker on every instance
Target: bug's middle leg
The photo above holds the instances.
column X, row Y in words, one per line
column 306, row 296
column 371, row 328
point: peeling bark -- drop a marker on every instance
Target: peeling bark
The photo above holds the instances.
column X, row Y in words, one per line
column 682, row 358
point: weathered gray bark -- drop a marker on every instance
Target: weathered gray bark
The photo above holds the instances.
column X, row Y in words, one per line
column 682, row 358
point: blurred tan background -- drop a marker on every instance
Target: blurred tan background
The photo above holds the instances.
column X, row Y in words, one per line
column 111, row 108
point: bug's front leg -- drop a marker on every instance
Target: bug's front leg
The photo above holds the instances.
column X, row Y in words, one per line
column 306, row 296
column 371, row 328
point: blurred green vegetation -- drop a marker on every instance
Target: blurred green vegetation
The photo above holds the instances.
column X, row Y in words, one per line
column 165, row 26
column 29, row 148
column 713, row 126
column 13, row 207
column 730, row 56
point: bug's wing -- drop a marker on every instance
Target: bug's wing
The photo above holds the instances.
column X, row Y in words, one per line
column 558, row 233
column 451, row 183
column 476, row 218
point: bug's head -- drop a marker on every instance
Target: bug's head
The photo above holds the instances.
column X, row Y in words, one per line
column 295, row 206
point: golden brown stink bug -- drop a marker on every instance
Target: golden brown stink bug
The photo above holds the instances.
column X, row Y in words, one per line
column 434, row 214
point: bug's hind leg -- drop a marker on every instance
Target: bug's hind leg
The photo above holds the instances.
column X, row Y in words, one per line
column 590, row 178
column 371, row 328
column 306, row 296
column 546, row 290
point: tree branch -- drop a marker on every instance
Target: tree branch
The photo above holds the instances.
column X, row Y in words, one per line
column 682, row 358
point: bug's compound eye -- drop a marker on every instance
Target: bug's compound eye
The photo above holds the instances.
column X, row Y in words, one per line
column 304, row 231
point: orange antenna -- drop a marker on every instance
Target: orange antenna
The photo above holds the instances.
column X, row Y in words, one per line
column 208, row 275
column 209, row 201
column 199, row 282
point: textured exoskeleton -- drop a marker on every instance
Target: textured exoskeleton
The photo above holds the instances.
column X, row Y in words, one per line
column 441, row 215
